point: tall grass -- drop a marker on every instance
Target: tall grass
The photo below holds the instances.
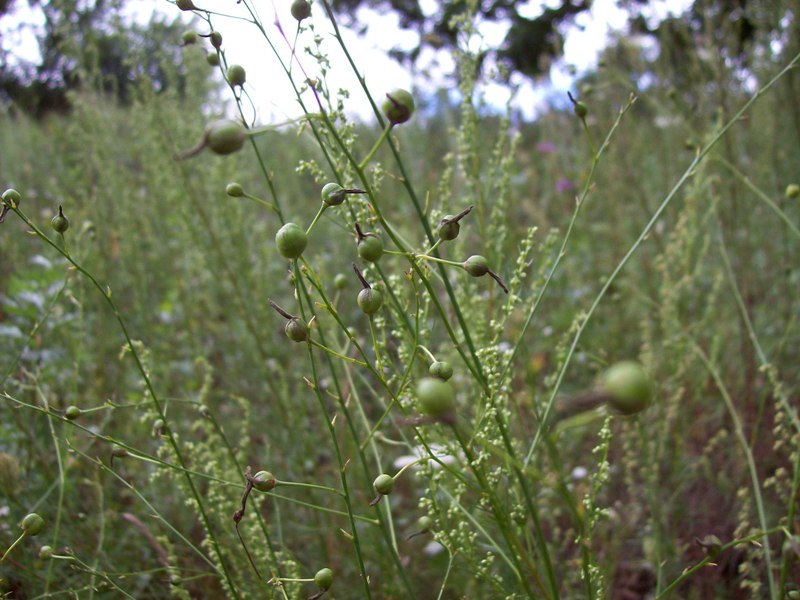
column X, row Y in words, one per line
column 643, row 231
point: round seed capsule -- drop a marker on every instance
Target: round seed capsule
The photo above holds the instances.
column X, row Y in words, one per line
column 60, row 223
column 291, row 240
column 628, row 386
column 225, row 136
column 398, row 106
column 437, row 398
column 32, row 524
column 234, row 190
column 370, row 247
column 324, row 578
column 370, row 300
column 441, row 370
column 296, row 330
column 264, row 481
column 383, row 484
column 236, row 75
column 332, row 194
column 301, row 9
column 476, row 265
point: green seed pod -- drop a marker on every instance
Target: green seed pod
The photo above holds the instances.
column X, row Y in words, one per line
column 212, row 58
column 437, row 398
column 383, row 484
column 296, row 330
column 225, row 136
column 711, row 544
column 370, row 247
column 32, row 524
column 476, row 265
column 580, row 110
column 370, row 300
column 72, row 413
column 60, row 223
column 301, row 9
column 324, row 578
column 332, row 194
column 119, row 451
column 189, row 37
column 46, row 552
column 398, row 106
column 291, row 240
column 11, row 198
column 234, row 190
column 340, row 281
column 628, row 386
column 424, row 523
column 793, row 190
column 215, row 37
column 448, row 230
column 441, row 370
column 185, row 4
column 236, row 75
column 264, row 481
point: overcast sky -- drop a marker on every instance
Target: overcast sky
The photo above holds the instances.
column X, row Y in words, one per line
column 244, row 45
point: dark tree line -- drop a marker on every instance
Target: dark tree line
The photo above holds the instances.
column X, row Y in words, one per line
column 87, row 43
column 87, row 40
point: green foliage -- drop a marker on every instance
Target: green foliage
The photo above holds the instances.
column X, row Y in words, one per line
column 147, row 373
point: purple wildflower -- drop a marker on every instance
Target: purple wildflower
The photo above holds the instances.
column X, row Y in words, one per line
column 564, row 185
column 546, row 147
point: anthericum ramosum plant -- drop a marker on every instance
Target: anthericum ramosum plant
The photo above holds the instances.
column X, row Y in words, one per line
column 437, row 399
column 449, row 227
column 291, row 240
column 215, row 39
column 383, row 486
column 424, row 525
column 189, row 38
column 441, row 370
column 629, row 387
column 578, row 107
column 333, row 194
column 264, row 481
column 236, row 75
column 300, row 9
column 11, row 199
column 398, row 106
column 296, row 329
column 369, row 245
column 369, row 299
column 31, row 525
column 478, row 266
column 234, row 190
column 60, row 223
column 221, row 137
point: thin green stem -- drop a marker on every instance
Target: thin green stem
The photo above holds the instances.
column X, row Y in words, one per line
column 321, row 210
column 384, row 134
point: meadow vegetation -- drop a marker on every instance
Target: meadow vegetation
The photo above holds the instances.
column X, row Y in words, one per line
column 178, row 440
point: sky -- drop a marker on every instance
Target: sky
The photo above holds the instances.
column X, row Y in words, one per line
column 244, row 45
